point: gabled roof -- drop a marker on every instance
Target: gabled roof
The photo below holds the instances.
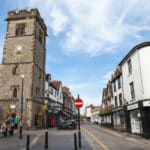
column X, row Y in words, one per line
column 66, row 91
column 137, row 47
column 116, row 74
column 55, row 84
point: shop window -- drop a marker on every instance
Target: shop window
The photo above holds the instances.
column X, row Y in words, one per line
column 20, row 29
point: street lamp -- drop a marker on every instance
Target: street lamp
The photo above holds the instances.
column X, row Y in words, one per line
column 21, row 111
column 46, row 132
column 46, row 103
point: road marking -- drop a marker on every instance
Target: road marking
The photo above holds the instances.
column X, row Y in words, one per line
column 34, row 141
column 98, row 141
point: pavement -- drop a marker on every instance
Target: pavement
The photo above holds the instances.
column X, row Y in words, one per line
column 57, row 140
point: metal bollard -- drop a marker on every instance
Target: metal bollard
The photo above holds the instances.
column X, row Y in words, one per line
column 79, row 137
column 20, row 132
column 28, row 143
column 46, row 139
column 75, row 141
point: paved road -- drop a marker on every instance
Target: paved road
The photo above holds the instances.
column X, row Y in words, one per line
column 104, row 139
column 93, row 138
column 58, row 140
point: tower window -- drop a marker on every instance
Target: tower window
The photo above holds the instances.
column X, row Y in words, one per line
column 15, row 92
column 20, row 29
column 40, row 36
column 15, row 70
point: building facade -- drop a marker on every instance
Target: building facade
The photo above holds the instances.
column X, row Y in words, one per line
column 131, row 96
column 107, row 106
column 118, row 112
column 136, row 84
column 23, row 54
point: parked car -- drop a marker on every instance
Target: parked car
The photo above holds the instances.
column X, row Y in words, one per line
column 67, row 124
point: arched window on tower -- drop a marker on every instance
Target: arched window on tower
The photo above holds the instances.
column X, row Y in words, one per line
column 15, row 70
column 20, row 29
column 15, row 92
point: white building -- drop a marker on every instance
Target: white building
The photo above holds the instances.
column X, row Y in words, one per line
column 136, row 87
column 95, row 117
column 88, row 112
column 117, row 100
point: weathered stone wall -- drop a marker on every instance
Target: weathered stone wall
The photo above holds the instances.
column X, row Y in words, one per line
column 30, row 61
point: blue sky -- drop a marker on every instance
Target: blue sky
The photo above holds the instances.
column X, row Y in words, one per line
column 87, row 39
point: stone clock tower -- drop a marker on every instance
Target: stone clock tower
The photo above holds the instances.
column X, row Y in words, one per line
column 23, row 56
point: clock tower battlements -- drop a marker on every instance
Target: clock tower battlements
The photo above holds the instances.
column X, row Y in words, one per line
column 25, row 38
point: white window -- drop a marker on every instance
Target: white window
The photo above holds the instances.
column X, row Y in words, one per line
column 129, row 66
column 132, row 90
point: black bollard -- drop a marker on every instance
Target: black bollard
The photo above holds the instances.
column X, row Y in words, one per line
column 79, row 137
column 75, row 141
column 20, row 132
column 46, row 139
column 28, row 142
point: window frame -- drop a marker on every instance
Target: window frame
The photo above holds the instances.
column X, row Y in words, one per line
column 129, row 66
column 132, row 91
column 20, row 29
column 15, row 70
column 120, row 99
column 119, row 82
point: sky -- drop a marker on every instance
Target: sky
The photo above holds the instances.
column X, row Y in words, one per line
column 86, row 39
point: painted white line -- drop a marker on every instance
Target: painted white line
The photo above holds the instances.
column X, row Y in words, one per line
column 34, row 141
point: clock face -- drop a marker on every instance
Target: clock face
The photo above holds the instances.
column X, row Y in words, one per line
column 18, row 49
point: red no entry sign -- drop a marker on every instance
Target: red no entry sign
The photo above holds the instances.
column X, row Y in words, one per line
column 78, row 103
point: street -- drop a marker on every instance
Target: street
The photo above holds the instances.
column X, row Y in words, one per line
column 106, row 139
column 93, row 138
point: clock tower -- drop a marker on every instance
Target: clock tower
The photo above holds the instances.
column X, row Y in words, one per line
column 23, row 55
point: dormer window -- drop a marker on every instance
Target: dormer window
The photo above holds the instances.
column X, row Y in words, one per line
column 20, row 29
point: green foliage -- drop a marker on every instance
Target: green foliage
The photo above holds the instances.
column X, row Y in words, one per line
column 106, row 110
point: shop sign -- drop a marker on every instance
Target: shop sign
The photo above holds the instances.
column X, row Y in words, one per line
column 131, row 107
column 12, row 106
column 146, row 103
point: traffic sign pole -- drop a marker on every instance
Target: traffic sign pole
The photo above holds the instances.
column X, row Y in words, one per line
column 78, row 104
column 79, row 131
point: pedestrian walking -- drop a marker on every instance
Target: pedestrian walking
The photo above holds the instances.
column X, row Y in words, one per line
column 16, row 121
column 52, row 122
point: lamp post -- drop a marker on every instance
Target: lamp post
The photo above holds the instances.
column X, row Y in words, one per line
column 46, row 132
column 21, row 108
column 46, row 103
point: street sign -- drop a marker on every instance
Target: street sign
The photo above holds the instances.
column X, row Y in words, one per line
column 78, row 103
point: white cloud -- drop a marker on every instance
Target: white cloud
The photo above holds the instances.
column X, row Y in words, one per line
column 106, row 77
column 93, row 26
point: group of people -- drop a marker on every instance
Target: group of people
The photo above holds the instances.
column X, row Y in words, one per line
column 9, row 125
